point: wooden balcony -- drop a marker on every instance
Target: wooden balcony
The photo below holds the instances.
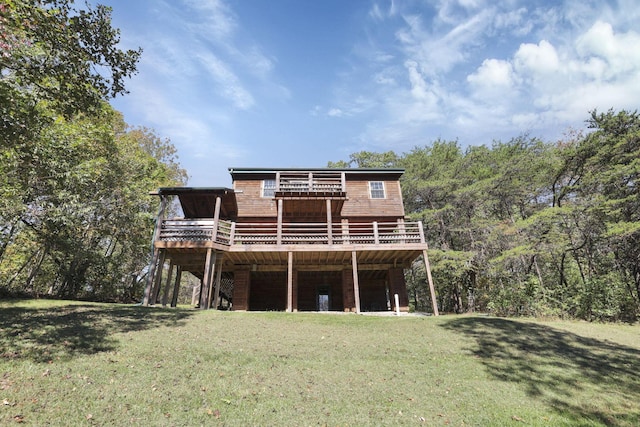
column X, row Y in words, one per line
column 198, row 233
column 320, row 183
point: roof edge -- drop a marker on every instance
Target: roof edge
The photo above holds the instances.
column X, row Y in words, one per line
column 245, row 170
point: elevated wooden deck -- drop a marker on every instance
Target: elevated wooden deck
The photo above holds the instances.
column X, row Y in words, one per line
column 232, row 236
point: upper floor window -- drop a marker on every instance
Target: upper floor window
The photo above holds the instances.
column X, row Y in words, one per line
column 268, row 187
column 376, row 189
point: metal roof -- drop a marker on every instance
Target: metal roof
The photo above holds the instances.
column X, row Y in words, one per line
column 245, row 170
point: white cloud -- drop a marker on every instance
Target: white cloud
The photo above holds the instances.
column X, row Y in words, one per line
column 535, row 59
column 335, row 112
column 515, row 21
column 620, row 51
column 227, row 83
column 440, row 51
column 493, row 73
column 216, row 21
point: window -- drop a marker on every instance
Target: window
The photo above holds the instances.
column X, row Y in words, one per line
column 268, row 187
column 376, row 189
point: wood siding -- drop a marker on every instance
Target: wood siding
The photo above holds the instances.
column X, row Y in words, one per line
column 251, row 204
column 359, row 204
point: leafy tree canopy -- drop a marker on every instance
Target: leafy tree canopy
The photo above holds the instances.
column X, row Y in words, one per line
column 56, row 58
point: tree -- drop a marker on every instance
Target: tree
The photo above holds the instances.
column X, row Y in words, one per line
column 56, row 58
column 85, row 228
column 526, row 227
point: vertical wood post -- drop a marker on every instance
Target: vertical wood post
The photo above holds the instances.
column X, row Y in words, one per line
column 343, row 181
column 211, row 278
column 216, row 218
column 376, row 237
column 356, row 285
column 329, row 223
column 289, row 282
column 209, row 266
column 216, row 292
column 158, row 278
column 277, row 182
column 150, row 276
column 345, row 231
column 421, row 229
column 279, row 224
column 167, row 285
column 232, row 233
column 402, row 230
column 154, row 257
column 432, row 289
column 176, row 287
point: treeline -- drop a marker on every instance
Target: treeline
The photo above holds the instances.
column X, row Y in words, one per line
column 75, row 214
column 527, row 227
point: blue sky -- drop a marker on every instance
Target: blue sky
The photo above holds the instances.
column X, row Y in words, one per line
column 298, row 83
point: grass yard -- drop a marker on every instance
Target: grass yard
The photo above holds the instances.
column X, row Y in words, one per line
column 68, row 363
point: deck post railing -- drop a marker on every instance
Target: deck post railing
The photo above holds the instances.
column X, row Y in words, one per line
column 216, row 219
column 232, row 233
column 376, row 237
column 279, row 233
column 345, row 231
column 279, row 225
column 329, row 223
column 421, row 230
column 402, row 230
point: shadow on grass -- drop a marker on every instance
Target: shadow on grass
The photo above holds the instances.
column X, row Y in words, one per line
column 62, row 332
column 585, row 379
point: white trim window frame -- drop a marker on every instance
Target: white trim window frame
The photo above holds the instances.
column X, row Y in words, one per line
column 268, row 188
column 377, row 190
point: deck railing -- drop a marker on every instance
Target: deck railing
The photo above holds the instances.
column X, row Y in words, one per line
column 232, row 233
column 310, row 182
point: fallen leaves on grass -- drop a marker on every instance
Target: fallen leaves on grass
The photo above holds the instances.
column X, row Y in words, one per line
column 215, row 413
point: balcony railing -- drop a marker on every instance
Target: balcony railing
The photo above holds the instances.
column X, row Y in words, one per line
column 231, row 233
column 309, row 182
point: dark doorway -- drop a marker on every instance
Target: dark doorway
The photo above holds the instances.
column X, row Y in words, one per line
column 323, row 298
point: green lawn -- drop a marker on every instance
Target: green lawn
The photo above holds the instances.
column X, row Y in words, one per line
column 64, row 363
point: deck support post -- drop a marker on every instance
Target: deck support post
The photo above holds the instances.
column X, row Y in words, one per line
column 356, row 285
column 176, row 286
column 427, row 267
column 216, row 292
column 432, row 289
column 167, row 285
column 155, row 251
column 205, row 289
column 157, row 280
column 150, row 276
column 289, row 282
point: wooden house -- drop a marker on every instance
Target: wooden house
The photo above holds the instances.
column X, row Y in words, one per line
column 289, row 239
